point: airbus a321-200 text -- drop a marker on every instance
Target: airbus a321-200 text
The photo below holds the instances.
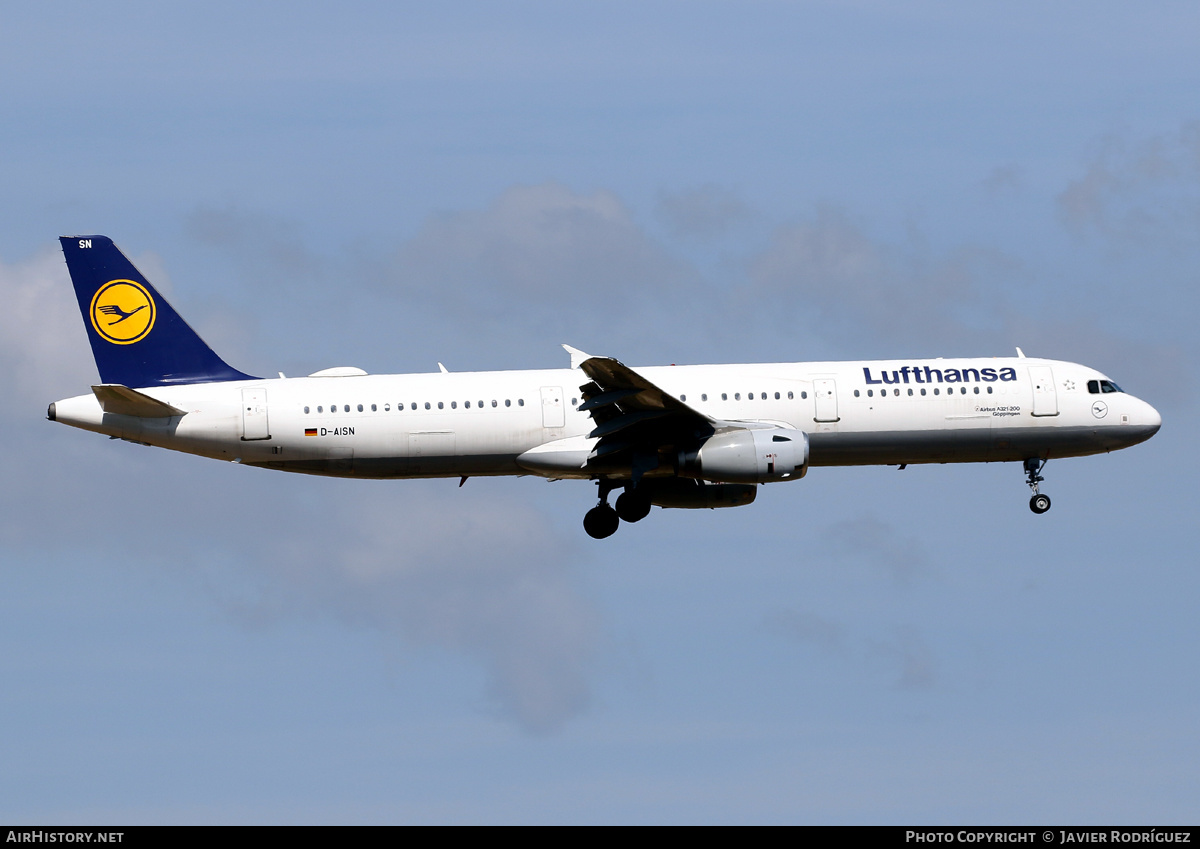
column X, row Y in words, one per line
column 699, row 436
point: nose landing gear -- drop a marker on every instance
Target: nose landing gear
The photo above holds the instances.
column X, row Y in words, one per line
column 1039, row 503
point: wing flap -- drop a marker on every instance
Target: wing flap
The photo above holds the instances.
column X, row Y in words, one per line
column 606, row 398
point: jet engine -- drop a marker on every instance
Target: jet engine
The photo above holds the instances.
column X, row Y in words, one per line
column 761, row 455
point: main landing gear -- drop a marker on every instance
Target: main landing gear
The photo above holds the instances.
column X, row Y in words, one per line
column 1039, row 503
column 602, row 520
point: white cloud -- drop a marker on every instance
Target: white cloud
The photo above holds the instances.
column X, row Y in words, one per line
column 828, row 274
column 871, row 542
column 44, row 353
column 1003, row 179
column 538, row 245
column 487, row 579
column 703, row 213
column 809, row 628
column 907, row 649
column 1142, row 192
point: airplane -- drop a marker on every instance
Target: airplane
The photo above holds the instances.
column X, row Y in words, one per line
column 691, row 436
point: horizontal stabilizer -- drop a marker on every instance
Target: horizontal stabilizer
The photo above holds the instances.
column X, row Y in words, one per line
column 123, row 401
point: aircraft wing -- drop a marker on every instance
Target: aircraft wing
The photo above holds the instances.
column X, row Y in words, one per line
column 636, row 421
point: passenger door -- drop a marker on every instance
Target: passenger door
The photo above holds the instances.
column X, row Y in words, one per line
column 825, row 392
column 254, row 415
column 1045, row 396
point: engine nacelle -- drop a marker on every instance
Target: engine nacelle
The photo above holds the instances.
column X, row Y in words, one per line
column 692, row 494
column 762, row 455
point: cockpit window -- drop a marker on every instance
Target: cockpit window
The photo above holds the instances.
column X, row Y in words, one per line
column 1096, row 387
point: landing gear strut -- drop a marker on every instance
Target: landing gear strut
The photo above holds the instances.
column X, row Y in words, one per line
column 602, row 521
column 1039, row 503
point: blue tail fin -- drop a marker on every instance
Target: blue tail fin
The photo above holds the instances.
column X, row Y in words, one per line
column 137, row 339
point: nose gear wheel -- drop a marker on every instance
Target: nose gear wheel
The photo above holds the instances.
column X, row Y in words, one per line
column 1039, row 503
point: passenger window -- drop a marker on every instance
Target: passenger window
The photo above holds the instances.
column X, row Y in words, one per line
column 922, row 390
column 802, row 395
column 870, row 393
column 374, row 409
column 937, row 391
column 910, row 392
column 346, row 407
column 764, row 396
column 306, row 411
column 467, row 405
column 776, row 396
column 387, row 408
column 360, row 409
column 441, row 406
column 856, row 395
column 507, row 402
column 989, row 390
column 320, row 409
column 414, row 405
column 724, row 397
column 520, row 402
column 493, row 402
column 453, row 405
column 704, row 396
column 976, row 390
column 737, row 396
column 896, row 392
column 682, row 397
column 962, row 391
column 481, row 405
column 427, row 405
column 574, row 401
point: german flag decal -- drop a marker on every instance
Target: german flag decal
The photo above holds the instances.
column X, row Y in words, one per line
column 310, row 431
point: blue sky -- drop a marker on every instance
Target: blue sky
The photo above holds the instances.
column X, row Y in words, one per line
column 393, row 185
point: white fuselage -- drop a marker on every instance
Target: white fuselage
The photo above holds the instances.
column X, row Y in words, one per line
column 481, row 423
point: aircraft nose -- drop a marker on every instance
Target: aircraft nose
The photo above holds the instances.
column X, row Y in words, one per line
column 1153, row 419
column 1138, row 422
column 1145, row 422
